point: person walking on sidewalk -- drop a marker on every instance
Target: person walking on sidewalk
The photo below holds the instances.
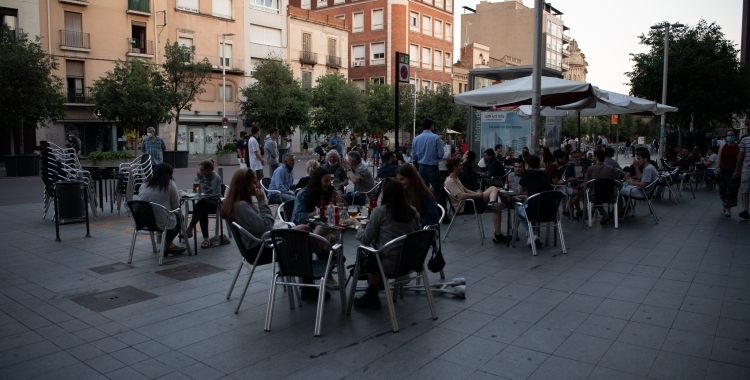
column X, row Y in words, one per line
column 743, row 161
column 729, row 185
column 255, row 160
column 154, row 146
column 271, row 150
column 427, row 151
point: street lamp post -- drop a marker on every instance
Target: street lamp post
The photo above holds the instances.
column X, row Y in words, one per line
column 416, row 87
column 662, row 132
column 224, row 81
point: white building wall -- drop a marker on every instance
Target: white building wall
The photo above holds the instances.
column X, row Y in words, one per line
column 256, row 16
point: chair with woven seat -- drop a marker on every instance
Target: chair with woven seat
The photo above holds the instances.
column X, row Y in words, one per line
column 642, row 194
column 546, row 206
column 251, row 258
column 600, row 192
column 414, row 249
column 145, row 220
column 294, row 255
column 461, row 203
column 284, row 212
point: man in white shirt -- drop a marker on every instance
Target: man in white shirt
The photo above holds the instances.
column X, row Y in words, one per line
column 253, row 149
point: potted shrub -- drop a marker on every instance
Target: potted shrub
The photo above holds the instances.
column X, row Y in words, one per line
column 107, row 159
column 228, row 155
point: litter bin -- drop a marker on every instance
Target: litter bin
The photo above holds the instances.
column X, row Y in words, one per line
column 71, row 199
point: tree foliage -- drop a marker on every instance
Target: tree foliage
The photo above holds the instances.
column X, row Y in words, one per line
column 706, row 81
column 184, row 78
column 438, row 105
column 31, row 94
column 133, row 94
column 380, row 108
column 338, row 105
column 276, row 99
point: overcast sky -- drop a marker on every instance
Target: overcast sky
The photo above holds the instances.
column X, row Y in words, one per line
column 607, row 30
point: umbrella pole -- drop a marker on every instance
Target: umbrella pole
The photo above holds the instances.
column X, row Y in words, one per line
column 617, row 141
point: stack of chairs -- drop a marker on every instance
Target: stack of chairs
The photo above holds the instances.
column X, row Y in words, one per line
column 130, row 177
column 61, row 164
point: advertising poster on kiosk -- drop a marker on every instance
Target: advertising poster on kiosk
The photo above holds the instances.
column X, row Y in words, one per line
column 512, row 130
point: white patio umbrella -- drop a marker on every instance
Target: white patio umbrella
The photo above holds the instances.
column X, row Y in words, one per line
column 555, row 92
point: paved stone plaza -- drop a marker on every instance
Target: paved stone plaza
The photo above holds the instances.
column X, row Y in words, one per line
column 658, row 301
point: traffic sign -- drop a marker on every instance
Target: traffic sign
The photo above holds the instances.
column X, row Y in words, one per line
column 224, row 122
column 403, row 72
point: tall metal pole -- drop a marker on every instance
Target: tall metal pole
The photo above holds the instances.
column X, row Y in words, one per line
column 223, row 85
column 397, row 86
column 536, row 84
column 580, row 140
column 416, row 86
column 663, row 131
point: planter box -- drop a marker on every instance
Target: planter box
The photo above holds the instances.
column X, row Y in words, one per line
column 177, row 159
column 227, row 159
column 106, row 163
column 22, row 165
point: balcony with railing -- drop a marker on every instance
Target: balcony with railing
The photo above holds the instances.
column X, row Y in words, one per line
column 139, row 7
column 140, row 48
column 77, row 2
column 332, row 61
column 78, row 97
column 565, row 67
column 565, row 38
column 232, row 66
column 74, row 40
column 566, row 52
column 308, row 57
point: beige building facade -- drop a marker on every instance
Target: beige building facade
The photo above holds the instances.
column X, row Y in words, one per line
column 577, row 65
column 318, row 45
column 507, row 28
column 88, row 36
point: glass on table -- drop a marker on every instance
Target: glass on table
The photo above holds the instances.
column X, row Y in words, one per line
column 353, row 211
column 196, row 187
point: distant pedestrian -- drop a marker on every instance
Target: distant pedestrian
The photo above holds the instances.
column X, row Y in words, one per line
column 271, row 151
column 305, row 146
column 336, row 143
column 254, row 158
column 154, row 146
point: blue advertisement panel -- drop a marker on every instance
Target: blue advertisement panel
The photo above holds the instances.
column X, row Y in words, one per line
column 512, row 130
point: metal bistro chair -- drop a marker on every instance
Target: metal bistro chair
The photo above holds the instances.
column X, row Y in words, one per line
column 496, row 181
column 293, row 252
column 372, row 193
column 461, row 203
column 251, row 258
column 547, row 211
column 667, row 180
column 642, row 194
column 265, row 182
column 437, row 245
column 284, row 212
column 605, row 192
column 414, row 249
column 143, row 215
column 687, row 180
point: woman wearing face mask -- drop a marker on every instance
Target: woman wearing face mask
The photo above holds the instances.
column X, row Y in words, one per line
column 727, row 161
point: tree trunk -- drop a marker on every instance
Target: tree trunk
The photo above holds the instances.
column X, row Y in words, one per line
column 12, row 142
column 176, row 126
column 21, row 137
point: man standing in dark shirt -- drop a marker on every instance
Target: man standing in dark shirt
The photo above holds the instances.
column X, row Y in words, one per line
column 533, row 181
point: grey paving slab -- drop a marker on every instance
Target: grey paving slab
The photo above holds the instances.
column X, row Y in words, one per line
column 667, row 300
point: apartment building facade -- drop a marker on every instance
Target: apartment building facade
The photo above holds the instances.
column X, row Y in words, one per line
column 318, row 45
column 265, row 32
column 380, row 28
column 507, row 28
column 216, row 28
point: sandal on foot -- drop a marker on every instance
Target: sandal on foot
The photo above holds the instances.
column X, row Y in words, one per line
column 206, row 243
column 727, row 214
column 190, row 230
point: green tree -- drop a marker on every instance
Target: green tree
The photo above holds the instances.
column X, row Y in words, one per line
column 438, row 105
column 184, row 78
column 380, row 110
column 31, row 94
column 706, row 80
column 338, row 105
column 276, row 99
column 133, row 94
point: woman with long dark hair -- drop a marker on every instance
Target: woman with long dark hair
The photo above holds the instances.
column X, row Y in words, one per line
column 418, row 194
column 394, row 218
column 162, row 190
column 210, row 183
column 319, row 191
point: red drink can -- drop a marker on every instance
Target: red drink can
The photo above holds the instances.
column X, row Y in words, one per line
column 373, row 203
column 336, row 215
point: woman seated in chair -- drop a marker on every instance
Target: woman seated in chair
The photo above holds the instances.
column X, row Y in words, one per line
column 482, row 199
column 333, row 165
column 210, row 185
column 319, row 189
column 418, row 195
column 310, row 168
column 255, row 218
column 394, row 218
column 470, row 176
column 162, row 190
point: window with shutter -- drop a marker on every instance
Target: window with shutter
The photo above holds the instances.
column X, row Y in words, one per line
column 426, row 57
column 222, row 8
column 448, row 32
column 438, row 59
column 188, row 5
column 438, row 29
column 306, row 79
column 306, row 37
column 377, row 19
column 332, row 47
column 426, row 24
column 378, row 53
column 359, row 23
column 414, row 55
column 414, row 21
